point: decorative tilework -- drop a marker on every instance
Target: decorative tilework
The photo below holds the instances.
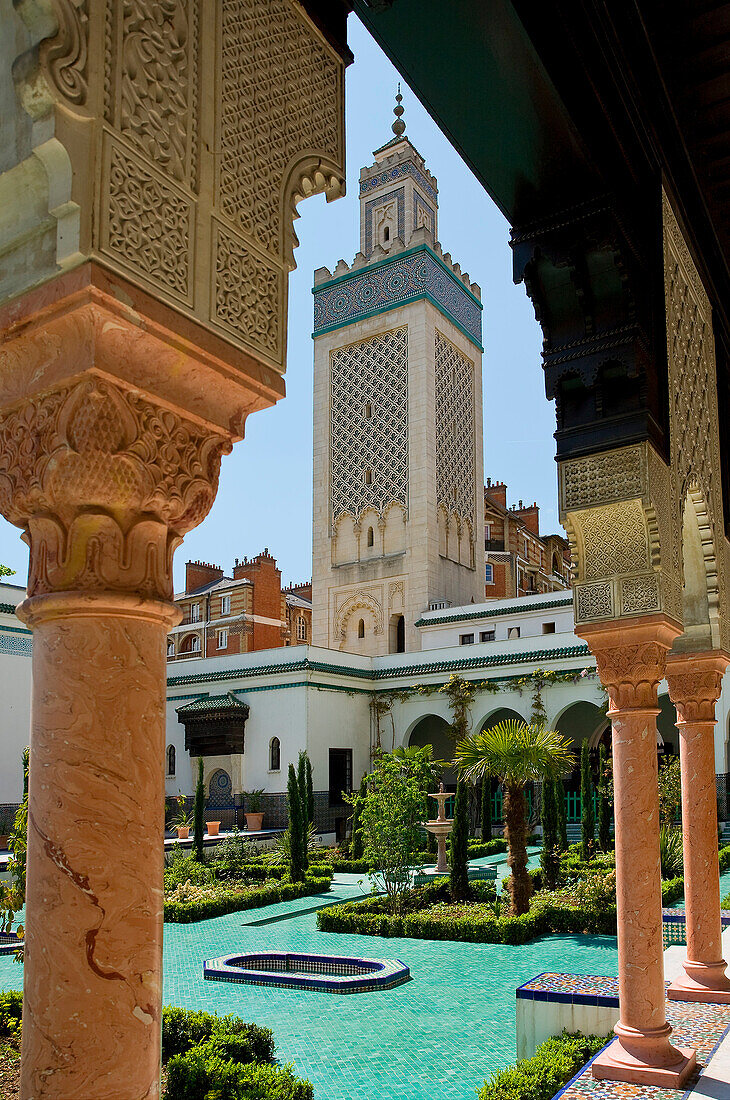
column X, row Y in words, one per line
column 299, row 970
column 16, row 643
column 455, row 443
column 674, row 929
column 423, row 214
column 399, row 197
column 406, row 277
column 408, row 168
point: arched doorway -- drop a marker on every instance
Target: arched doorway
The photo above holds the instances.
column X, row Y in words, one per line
column 220, row 794
column 434, row 730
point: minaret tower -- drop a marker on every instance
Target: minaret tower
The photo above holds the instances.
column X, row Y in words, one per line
column 398, row 468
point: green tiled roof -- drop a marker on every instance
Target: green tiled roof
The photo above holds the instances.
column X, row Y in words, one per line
column 514, row 610
column 211, row 703
column 7, row 608
column 494, row 660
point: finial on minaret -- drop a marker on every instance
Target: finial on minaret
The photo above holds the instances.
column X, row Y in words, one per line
column 399, row 125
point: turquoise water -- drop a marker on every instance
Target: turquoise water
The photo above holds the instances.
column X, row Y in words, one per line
column 437, row 1036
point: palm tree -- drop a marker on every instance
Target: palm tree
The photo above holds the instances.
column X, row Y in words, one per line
column 517, row 754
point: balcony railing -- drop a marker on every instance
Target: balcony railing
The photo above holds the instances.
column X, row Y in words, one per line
column 185, row 656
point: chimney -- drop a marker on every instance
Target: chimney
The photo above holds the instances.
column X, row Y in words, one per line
column 496, row 491
column 261, row 571
column 530, row 516
column 200, row 573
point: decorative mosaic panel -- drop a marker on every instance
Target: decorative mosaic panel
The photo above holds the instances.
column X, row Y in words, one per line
column 404, row 278
column 423, row 214
column 409, row 168
column 16, row 645
column 455, row 478
column 373, row 372
column 399, row 197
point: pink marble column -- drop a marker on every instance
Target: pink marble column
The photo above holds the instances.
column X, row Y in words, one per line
column 695, row 682
column 631, row 657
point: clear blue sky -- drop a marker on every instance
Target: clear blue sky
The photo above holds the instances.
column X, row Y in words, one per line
column 265, row 494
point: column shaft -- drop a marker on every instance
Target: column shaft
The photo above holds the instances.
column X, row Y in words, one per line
column 695, row 683
column 94, row 889
column 630, row 657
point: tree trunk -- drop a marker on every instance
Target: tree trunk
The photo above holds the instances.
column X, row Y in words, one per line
column 520, row 884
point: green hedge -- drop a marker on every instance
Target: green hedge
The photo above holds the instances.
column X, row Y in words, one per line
column 234, row 900
column 724, row 856
column 11, row 1012
column 555, row 1062
column 672, row 890
column 183, row 1029
column 479, row 849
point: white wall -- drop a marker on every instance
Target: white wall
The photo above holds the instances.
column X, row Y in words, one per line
column 15, row 691
column 490, row 616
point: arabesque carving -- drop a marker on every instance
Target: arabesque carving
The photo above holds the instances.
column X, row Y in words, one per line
column 105, row 484
column 67, row 54
column 357, row 602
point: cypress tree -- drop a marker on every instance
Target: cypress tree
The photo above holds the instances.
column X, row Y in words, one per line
column 486, row 809
column 460, row 844
column 294, row 807
column 549, row 858
column 587, row 816
column 356, row 843
column 561, row 815
column 199, row 814
column 310, row 792
column 604, row 802
column 303, row 803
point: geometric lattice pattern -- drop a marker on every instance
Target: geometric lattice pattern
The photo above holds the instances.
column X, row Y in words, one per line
column 455, row 479
column 369, row 454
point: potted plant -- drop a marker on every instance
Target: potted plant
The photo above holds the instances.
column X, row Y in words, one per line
column 213, row 827
column 183, row 819
column 254, row 812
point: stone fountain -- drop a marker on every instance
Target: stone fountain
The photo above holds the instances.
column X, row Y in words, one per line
column 440, row 828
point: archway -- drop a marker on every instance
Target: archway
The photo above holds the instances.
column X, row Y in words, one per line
column 502, row 714
column 582, row 721
column 220, row 791
column 434, row 730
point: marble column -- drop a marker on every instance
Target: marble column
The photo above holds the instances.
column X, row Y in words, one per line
column 695, row 682
column 631, row 657
column 104, row 479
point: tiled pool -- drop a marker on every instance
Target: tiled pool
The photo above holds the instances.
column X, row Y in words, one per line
column 438, row 1035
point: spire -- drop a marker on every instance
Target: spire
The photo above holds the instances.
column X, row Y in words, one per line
column 399, row 125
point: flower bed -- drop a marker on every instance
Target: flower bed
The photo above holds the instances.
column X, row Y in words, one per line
column 188, row 903
column 555, row 1062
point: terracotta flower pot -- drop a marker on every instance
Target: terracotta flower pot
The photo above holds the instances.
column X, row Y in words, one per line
column 254, row 822
column 213, row 827
column 183, row 832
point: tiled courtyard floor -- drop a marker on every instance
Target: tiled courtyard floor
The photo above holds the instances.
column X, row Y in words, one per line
column 439, row 1035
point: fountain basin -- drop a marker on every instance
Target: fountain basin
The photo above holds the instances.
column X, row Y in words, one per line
column 297, row 970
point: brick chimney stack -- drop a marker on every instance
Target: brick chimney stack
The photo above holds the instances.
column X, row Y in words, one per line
column 199, row 573
column 530, row 516
column 266, row 581
column 496, row 491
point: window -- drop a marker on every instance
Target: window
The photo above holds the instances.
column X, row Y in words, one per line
column 526, row 547
column 225, row 605
column 361, row 629
column 386, row 233
column 489, row 573
column 368, row 411
column 513, row 632
column 466, row 639
column 486, row 635
column 340, row 775
column 195, row 643
column 301, row 628
column 400, row 635
column 170, row 759
column 487, row 532
column 195, row 613
column 171, row 648
column 548, row 628
column 368, row 477
column 223, row 639
column 371, row 537
column 274, row 754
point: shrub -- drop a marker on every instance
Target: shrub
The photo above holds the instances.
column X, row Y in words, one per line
column 478, row 849
column 295, row 828
column 587, row 816
column 724, row 857
column 215, row 902
column 202, row 1072
column 186, row 868
column 670, row 851
column 485, row 809
column 605, row 784
column 672, row 890
column 550, row 855
column 459, row 844
column 554, row 1063
column 199, row 813
column 11, row 1012
column 183, row 1029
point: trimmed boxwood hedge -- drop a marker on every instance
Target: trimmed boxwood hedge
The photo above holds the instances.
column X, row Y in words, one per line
column 555, row 1062
column 232, row 900
column 479, row 849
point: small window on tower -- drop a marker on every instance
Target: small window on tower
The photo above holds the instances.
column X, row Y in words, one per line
column 361, row 629
column 371, row 537
column 368, row 477
column 386, row 233
column 368, row 411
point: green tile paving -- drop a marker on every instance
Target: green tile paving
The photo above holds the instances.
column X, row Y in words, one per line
column 438, row 1036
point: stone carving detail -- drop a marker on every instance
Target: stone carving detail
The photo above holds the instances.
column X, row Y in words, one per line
column 602, row 478
column 455, row 478
column 156, row 107
column 614, row 540
column 148, row 223
column 640, row 594
column 357, row 602
column 67, row 54
column 695, row 687
column 247, row 294
column 369, row 454
column 593, row 601
column 630, row 673
column 274, row 110
column 105, row 485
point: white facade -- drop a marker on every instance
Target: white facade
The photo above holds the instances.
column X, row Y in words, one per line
column 15, row 686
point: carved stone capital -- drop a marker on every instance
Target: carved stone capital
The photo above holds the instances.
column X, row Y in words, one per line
column 105, row 484
column 631, row 658
column 695, row 683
